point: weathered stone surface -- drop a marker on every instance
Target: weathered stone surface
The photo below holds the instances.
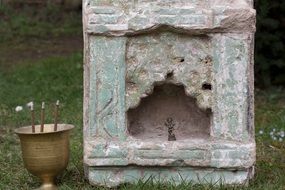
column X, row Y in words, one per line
column 149, row 58
column 194, row 152
column 128, row 17
column 114, row 176
column 107, row 89
column 205, row 49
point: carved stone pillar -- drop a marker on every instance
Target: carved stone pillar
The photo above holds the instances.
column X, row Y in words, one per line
column 168, row 91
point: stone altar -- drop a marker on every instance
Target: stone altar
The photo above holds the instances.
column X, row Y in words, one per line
column 168, row 91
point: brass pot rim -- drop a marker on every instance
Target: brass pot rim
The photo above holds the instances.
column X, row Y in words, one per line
column 27, row 130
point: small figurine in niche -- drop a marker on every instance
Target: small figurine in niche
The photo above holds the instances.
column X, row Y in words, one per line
column 170, row 125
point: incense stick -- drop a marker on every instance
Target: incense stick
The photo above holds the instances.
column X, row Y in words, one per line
column 56, row 115
column 33, row 117
column 42, row 116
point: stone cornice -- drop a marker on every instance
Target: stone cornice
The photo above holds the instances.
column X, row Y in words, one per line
column 114, row 21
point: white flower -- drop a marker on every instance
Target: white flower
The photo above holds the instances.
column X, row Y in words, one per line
column 273, row 129
column 280, row 139
column 271, row 133
column 274, row 138
column 18, row 108
column 30, row 105
column 282, row 134
column 260, row 132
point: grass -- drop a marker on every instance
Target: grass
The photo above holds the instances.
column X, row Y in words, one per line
column 47, row 80
column 52, row 78
column 61, row 78
column 28, row 23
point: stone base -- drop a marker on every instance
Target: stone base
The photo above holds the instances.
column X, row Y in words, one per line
column 114, row 176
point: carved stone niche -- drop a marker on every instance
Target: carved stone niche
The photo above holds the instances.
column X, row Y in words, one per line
column 168, row 91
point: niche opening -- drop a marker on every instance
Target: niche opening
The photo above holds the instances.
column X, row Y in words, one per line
column 148, row 120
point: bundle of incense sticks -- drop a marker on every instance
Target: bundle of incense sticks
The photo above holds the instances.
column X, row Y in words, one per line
column 31, row 105
column 56, row 115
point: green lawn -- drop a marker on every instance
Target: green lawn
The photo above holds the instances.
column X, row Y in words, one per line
column 33, row 22
column 61, row 78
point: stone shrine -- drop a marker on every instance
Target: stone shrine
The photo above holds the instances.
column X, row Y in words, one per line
column 168, row 91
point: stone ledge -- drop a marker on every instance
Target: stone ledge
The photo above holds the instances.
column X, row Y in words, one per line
column 114, row 176
column 216, row 154
column 112, row 21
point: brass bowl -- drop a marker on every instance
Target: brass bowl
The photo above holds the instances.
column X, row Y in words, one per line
column 45, row 154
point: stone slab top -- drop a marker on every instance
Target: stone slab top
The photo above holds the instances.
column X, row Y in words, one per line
column 120, row 18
